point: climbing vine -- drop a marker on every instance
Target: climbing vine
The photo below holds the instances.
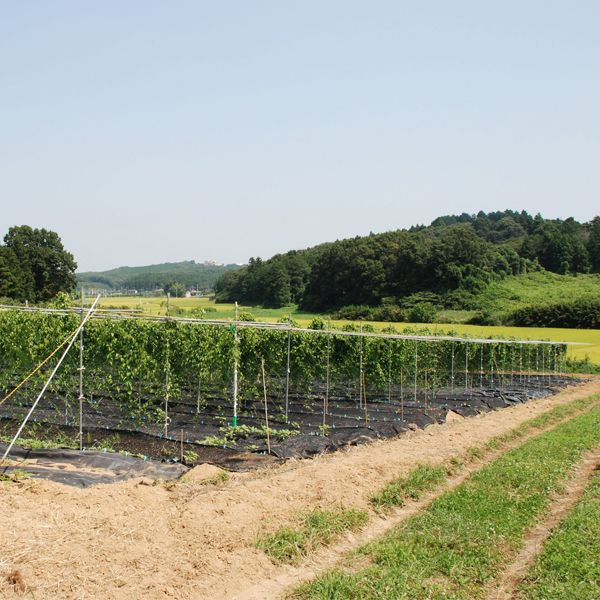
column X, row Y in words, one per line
column 137, row 362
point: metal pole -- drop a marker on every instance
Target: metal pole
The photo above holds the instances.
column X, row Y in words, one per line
column 521, row 374
column 365, row 400
column 326, row 401
column 481, row 369
column 266, row 409
column 452, row 369
column 198, row 391
column 167, row 385
column 287, row 374
column 81, row 375
column 512, row 367
column 360, row 376
column 12, row 443
column 416, row 367
column 401, row 395
column 235, row 368
column 466, row 367
column 390, row 373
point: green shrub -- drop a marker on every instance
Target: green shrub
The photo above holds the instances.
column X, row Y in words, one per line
column 391, row 313
column 423, row 312
column 583, row 313
column 419, row 298
column 354, row 312
column 485, row 317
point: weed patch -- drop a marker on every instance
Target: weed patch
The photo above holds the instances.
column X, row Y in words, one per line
column 418, row 481
column 318, row 528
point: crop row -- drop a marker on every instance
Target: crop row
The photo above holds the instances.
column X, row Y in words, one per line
column 138, row 362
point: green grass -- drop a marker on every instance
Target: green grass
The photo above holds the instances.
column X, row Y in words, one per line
column 318, row 528
column 31, row 440
column 460, row 543
column 413, row 485
column 427, row 477
column 569, row 565
column 15, row 476
column 537, row 288
column 551, row 417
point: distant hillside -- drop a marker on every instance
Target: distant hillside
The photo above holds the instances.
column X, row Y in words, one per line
column 189, row 273
column 448, row 263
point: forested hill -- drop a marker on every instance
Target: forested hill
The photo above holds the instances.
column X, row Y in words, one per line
column 451, row 260
column 188, row 273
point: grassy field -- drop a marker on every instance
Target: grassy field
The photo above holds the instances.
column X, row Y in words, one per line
column 537, row 288
column 189, row 306
column 462, row 541
column 569, row 567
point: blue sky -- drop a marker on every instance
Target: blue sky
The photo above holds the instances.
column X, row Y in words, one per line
column 147, row 131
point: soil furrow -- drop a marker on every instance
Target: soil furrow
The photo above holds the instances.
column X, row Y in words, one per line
column 505, row 587
column 332, row 556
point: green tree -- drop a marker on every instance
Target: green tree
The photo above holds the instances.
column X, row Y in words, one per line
column 44, row 267
column 593, row 245
column 275, row 283
column 10, row 281
column 176, row 289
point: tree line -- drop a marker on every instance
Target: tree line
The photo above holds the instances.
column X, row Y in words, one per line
column 188, row 274
column 454, row 258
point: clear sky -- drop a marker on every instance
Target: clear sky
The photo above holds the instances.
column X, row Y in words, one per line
column 151, row 131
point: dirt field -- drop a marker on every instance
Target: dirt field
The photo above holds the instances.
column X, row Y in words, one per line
column 138, row 540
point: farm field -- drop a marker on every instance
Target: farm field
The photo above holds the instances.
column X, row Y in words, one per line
column 488, row 516
column 198, row 538
column 170, row 390
column 157, row 306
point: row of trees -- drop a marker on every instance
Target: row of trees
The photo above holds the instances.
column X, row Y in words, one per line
column 34, row 266
column 559, row 246
column 188, row 273
column 455, row 257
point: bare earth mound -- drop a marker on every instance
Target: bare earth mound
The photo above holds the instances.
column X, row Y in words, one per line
column 195, row 539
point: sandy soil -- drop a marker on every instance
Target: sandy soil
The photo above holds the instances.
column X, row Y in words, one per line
column 192, row 540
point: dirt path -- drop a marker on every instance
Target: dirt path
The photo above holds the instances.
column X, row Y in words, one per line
column 562, row 504
column 132, row 540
